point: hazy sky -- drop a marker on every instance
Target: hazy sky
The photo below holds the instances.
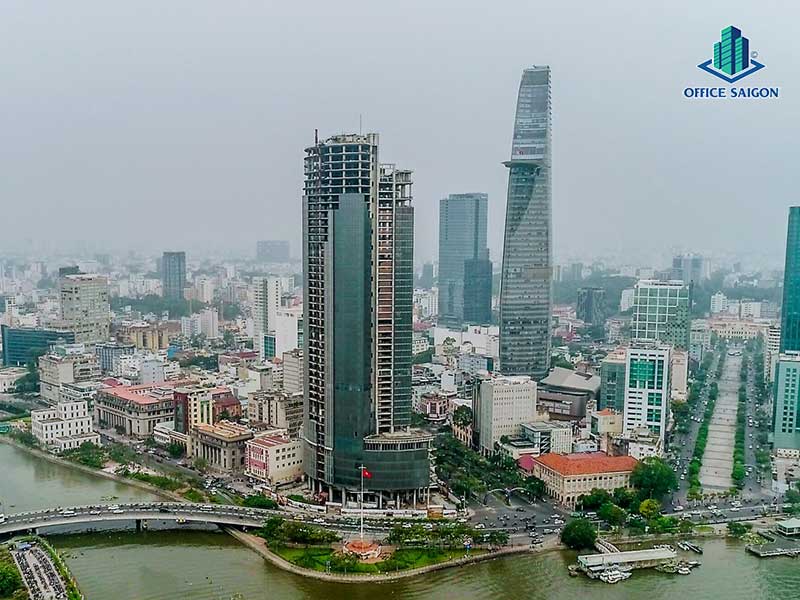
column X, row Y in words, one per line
column 183, row 123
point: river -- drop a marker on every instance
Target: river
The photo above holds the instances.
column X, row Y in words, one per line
column 204, row 565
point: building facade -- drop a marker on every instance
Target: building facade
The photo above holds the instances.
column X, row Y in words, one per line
column 66, row 363
column 465, row 271
column 526, row 281
column 173, row 275
column 790, row 310
column 661, row 312
column 503, row 405
column 22, row 344
column 222, row 445
column 786, row 402
column 274, row 460
column 85, row 309
column 266, row 302
column 64, row 426
column 548, row 436
column 277, row 409
column 135, row 410
column 591, row 307
column 647, row 389
column 612, row 381
column 358, row 261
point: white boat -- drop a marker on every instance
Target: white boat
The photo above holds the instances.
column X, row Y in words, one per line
column 613, row 576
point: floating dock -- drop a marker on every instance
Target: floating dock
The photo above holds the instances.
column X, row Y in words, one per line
column 592, row 564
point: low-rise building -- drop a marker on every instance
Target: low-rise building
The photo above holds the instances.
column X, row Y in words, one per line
column 567, row 477
column 274, row 460
column 66, row 363
column 64, row 426
column 9, row 377
column 277, row 409
column 221, row 445
column 564, row 393
column 136, row 410
column 434, row 406
column 548, row 436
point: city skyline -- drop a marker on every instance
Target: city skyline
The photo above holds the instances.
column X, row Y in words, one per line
column 197, row 169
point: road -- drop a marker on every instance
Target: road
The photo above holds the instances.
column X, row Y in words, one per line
column 715, row 472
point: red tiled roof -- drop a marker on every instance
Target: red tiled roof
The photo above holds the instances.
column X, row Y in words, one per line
column 606, row 412
column 525, row 462
column 586, row 463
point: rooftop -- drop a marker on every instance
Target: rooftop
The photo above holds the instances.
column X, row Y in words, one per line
column 606, row 412
column 793, row 523
column 269, row 441
column 145, row 394
column 586, row 463
column 561, row 377
column 225, row 430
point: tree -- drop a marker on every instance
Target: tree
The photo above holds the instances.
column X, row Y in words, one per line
column 624, row 498
column 738, row 529
column 560, row 361
column 462, row 416
column 579, row 534
column 200, row 463
column 594, row 499
column 260, row 501
column 650, row 509
column 612, row 514
column 175, row 450
column 9, row 579
column 653, row 477
column 535, row 488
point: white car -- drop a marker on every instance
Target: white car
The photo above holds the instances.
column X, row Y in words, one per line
column 480, row 526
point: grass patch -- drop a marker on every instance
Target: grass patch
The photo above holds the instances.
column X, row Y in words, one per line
column 193, row 495
column 160, row 481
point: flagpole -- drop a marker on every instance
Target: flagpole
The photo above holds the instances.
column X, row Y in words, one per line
column 362, row 501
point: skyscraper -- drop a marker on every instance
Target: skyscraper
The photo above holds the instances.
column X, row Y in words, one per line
column 786, row 404
column 790, row 311
column 358, row 258
column 661, row 312
column 526, row 285
column 85, row 309
column 591, row 307
column 173, row 275
column 732, row 52
column 647, row 388
column 465, row 271
column 266, row 302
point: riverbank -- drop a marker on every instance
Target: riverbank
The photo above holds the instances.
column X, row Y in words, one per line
column 259, row 546
column 4, row 439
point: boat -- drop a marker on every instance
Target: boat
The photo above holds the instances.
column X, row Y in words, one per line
column 613, row 576
column 684, row 570
column 683, row 546
column 694, row 547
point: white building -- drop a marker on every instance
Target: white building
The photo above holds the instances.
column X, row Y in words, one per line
column 647, row 388
column 699, row 339
column 266, row 302
column 549, row 436
column 66, row 363
column 85, row 309
column 206, row 323
column 204, row 289
column 287, row 329
column 679, row 375
column 64, row 426
column 772, row 347
column 293, row 367
column 504, row 404
column 274, row 460
column 483, row 339
column 749, row 309
column 719, row 303
column 9, row 377
column 626, row 300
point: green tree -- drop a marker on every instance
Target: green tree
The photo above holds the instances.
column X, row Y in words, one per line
column 612, row 514
column 260, row 501
column 738, row 529
column 200, row 463
column 624, row 498
column 579, row 534
column 653, row 477
column 594, row 499
column 10, row 580
column 462, row 416
column 535, row 488
column 650, row 509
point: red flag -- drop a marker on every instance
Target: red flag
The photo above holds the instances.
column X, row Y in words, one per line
column 366, row 473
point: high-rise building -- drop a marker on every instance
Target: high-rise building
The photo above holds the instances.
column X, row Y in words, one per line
column 426, row 279
column 465, row 271
column 591, row 307
column 612, row 381
column 358, row 226
column 690, row 268
column 786, row 404
column 719, row 303
column 772, row 348
column 85, row 309
column 526, row 283
column 266, row 302
column 22, row 344
column 503, row 405
column 661, row 312
column 273, row 251
column 108, row 354
column 173, row 275
column 647, row 389
column 790, row 311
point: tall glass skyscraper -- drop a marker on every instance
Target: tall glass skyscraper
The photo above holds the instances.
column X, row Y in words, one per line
column 465, row 271
column 173, row 275
column 358, row 250
column 790, row 311
column 526, row 288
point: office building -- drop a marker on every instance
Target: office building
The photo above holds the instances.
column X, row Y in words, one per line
column 272, row 251
column 108, row 353
column 790, row 311
column 274, row 459
column 565, row 393
column 266, row 302
column 612, row 381
column 222, row 445
column 426, row 278
column 786, row 402
column 358, row 226
column 626, row 300
column 65, row 363
column 591, row 306
column 689, row 268
column 277, row 409
column 548, row 436
column 647, row 389
column 526, row 286
column 465, row 271
column 661, row 312
column 503, row 405
column 699, row 339
column 22, row 344
column 719, row 303
column 772, row 344
column 197, row 404
column 293, row 369
column 85, row 309
column 173, row 275
column 64, row 426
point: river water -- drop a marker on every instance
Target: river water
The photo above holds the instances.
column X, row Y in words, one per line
column 204, row 565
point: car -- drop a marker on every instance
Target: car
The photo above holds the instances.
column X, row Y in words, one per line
column 118, row 511
column 406, row 525
column 735, row 509
column 94, row 512
column 480, row 526
column 712, row 507
column 678, row 508
column 520, row 509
